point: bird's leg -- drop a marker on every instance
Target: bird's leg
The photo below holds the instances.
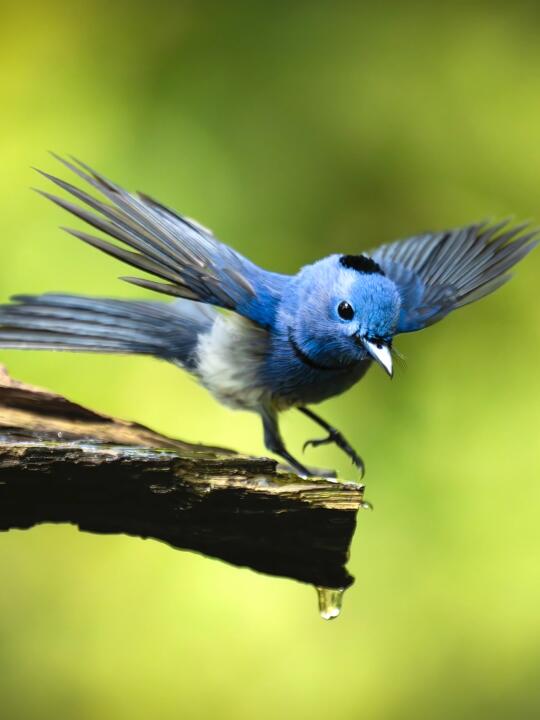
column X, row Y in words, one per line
column 274, row 442
column 334, row 436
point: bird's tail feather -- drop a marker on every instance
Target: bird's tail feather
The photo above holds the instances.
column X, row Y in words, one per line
column 84, row 324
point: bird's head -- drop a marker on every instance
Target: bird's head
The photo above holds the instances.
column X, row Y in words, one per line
column 344, row 310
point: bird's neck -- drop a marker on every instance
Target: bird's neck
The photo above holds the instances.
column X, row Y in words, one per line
column 328, row 355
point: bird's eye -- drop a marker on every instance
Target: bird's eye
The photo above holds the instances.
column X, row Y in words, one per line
column 345, row 311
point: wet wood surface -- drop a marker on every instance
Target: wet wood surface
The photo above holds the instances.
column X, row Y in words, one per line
column 62, row 463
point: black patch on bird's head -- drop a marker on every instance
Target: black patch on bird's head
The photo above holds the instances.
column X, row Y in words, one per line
column 361, row 263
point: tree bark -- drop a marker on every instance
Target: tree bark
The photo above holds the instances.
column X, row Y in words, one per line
column 62, row 463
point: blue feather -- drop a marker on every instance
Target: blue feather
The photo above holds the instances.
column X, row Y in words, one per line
column 289, row 341
column 439, row 272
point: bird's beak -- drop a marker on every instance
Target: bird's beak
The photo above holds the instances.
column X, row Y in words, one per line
column 381, row 354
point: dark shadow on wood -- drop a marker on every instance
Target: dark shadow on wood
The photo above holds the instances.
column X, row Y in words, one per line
column 62, row 463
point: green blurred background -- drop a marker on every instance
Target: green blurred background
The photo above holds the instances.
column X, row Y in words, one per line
column 293, row 130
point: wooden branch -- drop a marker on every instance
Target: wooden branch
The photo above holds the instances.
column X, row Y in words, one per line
column 62, row 463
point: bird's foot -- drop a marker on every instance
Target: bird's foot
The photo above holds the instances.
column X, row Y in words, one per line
column 335, row 437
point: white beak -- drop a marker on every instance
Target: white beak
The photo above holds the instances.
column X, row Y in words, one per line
column 381, row 354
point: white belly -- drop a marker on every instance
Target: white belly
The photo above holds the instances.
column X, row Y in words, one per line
column 228, row 360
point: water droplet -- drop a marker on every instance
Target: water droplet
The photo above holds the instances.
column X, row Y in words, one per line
column 365, row 505
column 330, row 600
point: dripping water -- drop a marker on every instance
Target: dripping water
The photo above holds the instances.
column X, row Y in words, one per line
column 330, row 600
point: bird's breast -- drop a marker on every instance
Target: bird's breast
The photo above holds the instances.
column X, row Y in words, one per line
column 229, row 358
column 246, row 367
column 295, row 379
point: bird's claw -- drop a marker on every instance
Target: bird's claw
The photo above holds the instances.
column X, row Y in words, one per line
column 357, row 462
column 317, row 442
column 334, row 436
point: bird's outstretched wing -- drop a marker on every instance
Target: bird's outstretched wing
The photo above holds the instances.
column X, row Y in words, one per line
column 176, row 249
column 439, row 272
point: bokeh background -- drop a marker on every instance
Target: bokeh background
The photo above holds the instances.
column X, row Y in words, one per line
column 293, row 130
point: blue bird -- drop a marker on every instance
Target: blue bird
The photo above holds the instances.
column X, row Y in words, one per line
column 284, row 341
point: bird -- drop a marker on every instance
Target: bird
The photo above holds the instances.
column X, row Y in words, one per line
column 257, row 340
